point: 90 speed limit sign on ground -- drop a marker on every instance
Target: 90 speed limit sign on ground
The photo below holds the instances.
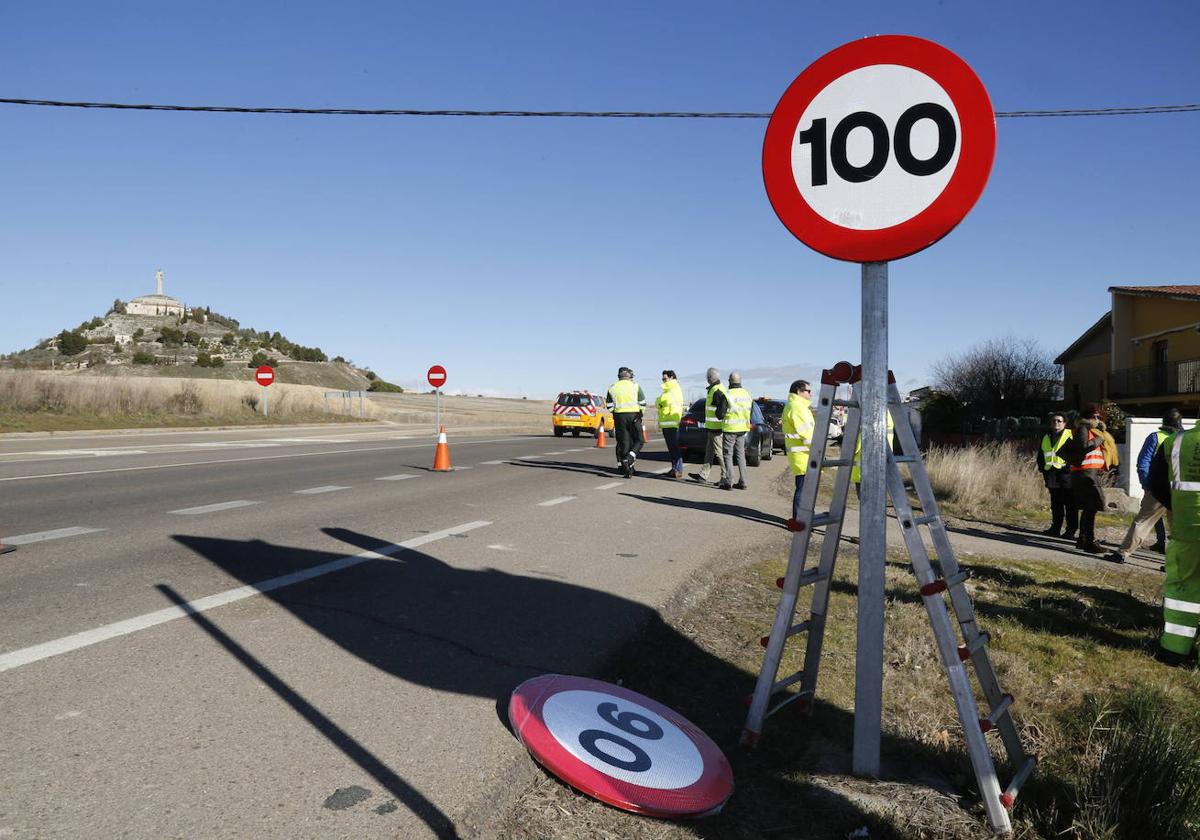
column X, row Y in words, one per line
column 879, row 148
column 620, row 747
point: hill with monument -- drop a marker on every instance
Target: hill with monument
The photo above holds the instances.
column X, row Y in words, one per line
column 158, row 335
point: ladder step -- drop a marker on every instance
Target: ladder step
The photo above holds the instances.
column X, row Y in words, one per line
column 905, row 459
column 792, row 631
column 838, row 462
column 824, row 519
column 803, row 696
column 846, row 403
column 806, row 577
column 1014, row 787
column 942, row 584
column 925, row 520
column 965, row 651
column 988, row 723
column 786, row 681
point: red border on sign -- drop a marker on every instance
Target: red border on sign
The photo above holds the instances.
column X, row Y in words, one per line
column 704, row 796
column 436, row 369
column 977, row 150
column 258, row 375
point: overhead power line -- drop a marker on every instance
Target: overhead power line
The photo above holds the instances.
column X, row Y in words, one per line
column 645, row 115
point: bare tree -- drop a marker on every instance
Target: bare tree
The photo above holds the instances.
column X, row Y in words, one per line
column 1001, row 377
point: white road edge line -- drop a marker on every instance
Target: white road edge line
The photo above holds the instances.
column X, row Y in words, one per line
column 610, row 486
column 42, row 536
column 399, row 477
column 327, row 488
column 557, row 501
column 192, row 511
column 66, row 644
column 490, row 462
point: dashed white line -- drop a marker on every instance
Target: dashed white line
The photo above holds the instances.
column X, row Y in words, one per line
column 528, row 457
column 610, row 486
column 399, row 477
column 192, row 511
column 24, row 656
column 557, row 501
column 491, row 462
column 559, row 452
column 42, row 536
column 327, row 488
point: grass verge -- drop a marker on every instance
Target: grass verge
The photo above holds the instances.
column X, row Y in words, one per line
column 1117, row 732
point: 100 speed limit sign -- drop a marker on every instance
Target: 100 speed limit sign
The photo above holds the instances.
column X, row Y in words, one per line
column 879, row 148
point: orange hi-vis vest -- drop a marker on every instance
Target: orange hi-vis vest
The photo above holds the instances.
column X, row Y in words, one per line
column 1094, row 460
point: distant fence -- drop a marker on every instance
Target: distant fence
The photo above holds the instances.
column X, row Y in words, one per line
column 347, row 398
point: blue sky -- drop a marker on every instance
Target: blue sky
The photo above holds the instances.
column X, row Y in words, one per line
column 532, row 255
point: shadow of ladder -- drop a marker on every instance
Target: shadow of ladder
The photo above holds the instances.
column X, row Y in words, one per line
column 932, row 583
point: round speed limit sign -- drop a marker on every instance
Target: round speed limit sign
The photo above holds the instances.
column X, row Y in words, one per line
column 879, row 148
column 620, row 747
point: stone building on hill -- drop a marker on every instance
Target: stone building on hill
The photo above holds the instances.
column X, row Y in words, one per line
column 157, row 303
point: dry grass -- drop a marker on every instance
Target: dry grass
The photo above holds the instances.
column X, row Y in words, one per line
column 48, row 402
column 1062, row 637
column 983, row 479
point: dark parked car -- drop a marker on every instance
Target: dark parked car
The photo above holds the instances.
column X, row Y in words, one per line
column 692, row 435
column 773, row 413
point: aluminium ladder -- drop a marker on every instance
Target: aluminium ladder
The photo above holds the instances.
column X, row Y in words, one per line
column 932, row 581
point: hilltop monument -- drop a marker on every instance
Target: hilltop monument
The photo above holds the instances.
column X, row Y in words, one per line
column 157, row 303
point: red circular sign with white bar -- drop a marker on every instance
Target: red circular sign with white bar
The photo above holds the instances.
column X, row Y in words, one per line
column 436, row 376
column 620, row 747
column 264, row 375
column 879, row 148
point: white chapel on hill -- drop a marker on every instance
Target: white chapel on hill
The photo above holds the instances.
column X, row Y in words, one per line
column 157, row 303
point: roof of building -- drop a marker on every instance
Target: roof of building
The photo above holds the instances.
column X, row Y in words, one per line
column 1176, row 292
column 155, row 299
column 1105, row 323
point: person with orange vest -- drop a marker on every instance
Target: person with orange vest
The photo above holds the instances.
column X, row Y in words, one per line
column 1085, row 453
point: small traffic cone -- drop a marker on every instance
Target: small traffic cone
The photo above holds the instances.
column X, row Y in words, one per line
column 601, row 440
column 645, row 434
column 441, row 455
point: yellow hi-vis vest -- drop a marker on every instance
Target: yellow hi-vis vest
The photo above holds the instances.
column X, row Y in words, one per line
column 670, row 405
column 624, row 393
column 710, row 411
column 798, row 423
column 737, row 416
column 1050, row 457
column 856, row 470
column 1183, row 468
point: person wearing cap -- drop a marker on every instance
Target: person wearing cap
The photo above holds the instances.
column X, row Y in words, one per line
column 716, row 403
column 1151, row 513
column 798, row 423
column 737, row 429
column 1174, row 480
column 670, row 412
column 1085, row 453
column 626, row 402
column 1056, row 475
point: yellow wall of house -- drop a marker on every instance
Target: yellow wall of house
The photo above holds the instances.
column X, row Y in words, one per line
column 1090, row 373
column 1151, row 315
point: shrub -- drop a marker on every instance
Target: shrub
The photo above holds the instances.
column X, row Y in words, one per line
column 203, row 359
column 217, row 361
column 229, row 339
column 985, row 479
column 141, row 357
column 379, row 385
column 171, row 337
column 192, row 337
column 186, row 400
column 71, row 343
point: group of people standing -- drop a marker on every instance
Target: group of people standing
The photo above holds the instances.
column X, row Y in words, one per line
column 1168, row 468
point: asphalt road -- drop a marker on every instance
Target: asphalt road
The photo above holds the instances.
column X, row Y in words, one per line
column 308, row 633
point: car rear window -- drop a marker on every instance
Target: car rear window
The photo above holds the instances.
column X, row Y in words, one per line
column 573, row 399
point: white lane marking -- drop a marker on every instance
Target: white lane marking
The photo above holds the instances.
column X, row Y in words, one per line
column 528, row 457
column 663, row 471
column 490, row 462
column 45, row 650
column 399, row 477
column 42, row 536
column 192, row 511
column 240, row 444
column 499, row 547
column 557, row 501
column 327, row 488
column 459, row 469
column 559, row 452
column 610, row 486
column 308, row 440
column 99, row 453
column 241, row 460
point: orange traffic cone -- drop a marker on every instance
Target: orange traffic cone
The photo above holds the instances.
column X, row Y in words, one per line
column 601, row 440
column 645, row 434
column 441, row 456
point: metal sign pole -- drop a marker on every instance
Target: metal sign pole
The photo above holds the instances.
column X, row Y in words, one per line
column 266, row 392
column 872, row 522
column 439, row 408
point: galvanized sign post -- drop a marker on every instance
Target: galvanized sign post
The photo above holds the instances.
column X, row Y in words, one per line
column 437, row 378
column 873, row 153
column 264, row 375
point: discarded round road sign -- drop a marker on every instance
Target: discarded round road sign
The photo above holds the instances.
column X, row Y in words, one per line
column 264, row 375
column 620, row 747
column 879, row 148
column 436, row 376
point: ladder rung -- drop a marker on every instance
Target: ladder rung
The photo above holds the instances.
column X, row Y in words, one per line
column 942, row 584
column 966, row 651
column 925, row 520
column 905, row 459
column 988, row 723
column 805, row 696
column 838, row 462
column 1014, row 787
column 792, row 631
column 806, row 577
column 823, row 519
column 786, row 681
column 846, row 403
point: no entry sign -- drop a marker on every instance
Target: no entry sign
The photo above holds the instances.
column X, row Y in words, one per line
column 436, row 376
column 879, row 148
column 620, row 747
column 264, row 375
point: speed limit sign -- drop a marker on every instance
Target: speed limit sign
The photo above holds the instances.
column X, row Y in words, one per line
column 620, row 746
column 879, row 148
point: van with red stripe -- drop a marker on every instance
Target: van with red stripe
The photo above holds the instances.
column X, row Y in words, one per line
column 579, row 411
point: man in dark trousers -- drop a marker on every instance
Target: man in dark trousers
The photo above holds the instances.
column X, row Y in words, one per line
column 1056, row 474
column 716, row 404
column 627, row 402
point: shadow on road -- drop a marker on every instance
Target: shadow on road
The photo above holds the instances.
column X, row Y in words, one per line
column 740, row 511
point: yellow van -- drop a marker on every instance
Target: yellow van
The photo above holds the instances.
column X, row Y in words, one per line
column 578, row 411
